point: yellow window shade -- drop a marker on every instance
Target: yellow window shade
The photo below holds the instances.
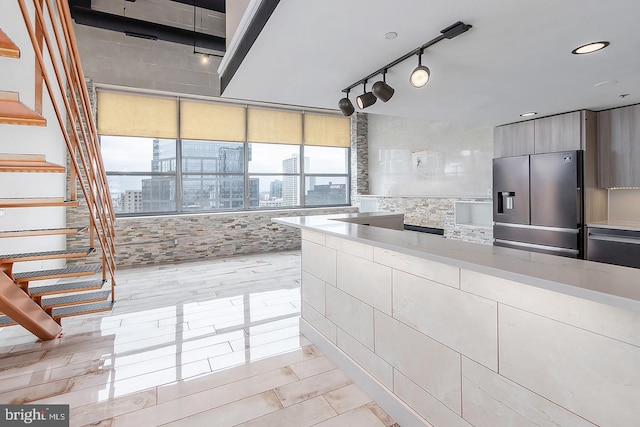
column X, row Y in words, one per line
column 213, row 122
column 331, row 131
column 277, row 126
column 122, row 114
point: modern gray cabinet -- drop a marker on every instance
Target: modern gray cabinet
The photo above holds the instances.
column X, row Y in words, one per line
column 563, row 132
column 513, row 140
column 558, row 133
column 619, row 147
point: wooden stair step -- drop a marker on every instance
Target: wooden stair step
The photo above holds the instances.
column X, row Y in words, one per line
column 7, row 47
column 28, row 163
column 77, row 310
column 42, row 232
column 34, row 256
column 74, row 299
column 63, row 288
column 6, row 321
column 77, row 270
column 14, row 112
column 37, row 202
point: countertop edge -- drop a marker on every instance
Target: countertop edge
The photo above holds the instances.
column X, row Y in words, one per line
column 631, row 303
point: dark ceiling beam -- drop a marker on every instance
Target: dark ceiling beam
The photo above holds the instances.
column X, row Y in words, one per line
column 145, row 29
column 215, row 5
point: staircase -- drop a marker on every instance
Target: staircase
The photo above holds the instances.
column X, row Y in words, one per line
column 39, row 298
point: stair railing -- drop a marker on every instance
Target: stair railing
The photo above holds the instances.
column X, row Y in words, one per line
column 81, row 135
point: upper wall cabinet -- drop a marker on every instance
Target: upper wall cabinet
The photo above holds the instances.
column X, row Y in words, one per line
column 564, row 132
column 619, row 146
column 558, row 133
column 513, row 140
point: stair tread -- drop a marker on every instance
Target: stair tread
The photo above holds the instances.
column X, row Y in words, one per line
column 6, row 321
column 75, row 310
column 66, row 287
column 65, row 253
column 77, row 270
column 43, row 232
column 72, row 299
column 30, row 166
column 36, row 201
column 8, row 47
column 14, row 112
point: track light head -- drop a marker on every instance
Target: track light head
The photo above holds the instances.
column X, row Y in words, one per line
column 420, row 75
column 346, row 106
column 382, row 90
column 367, row 99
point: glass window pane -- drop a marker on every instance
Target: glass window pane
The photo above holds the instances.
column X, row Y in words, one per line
column 142, row 194
column 129, row 154
column 326, row 159
column 326, row 190
column 212, row 157
column 212, row 192
column 274, row 158
column 274, row 191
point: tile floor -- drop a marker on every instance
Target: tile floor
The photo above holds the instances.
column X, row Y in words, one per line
column 211, row 343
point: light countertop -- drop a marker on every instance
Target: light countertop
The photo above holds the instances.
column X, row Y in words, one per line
column 603, row 283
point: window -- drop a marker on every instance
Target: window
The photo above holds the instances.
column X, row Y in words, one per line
column 141, row 173
column 220, row 157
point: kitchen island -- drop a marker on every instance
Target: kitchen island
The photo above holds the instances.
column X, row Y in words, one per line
column 449, row 333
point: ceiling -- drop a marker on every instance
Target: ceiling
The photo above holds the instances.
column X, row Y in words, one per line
column 516, row 58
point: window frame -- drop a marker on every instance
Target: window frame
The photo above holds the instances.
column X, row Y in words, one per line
column 179, row 174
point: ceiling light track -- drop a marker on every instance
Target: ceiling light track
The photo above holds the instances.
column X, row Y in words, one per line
column 448, row 33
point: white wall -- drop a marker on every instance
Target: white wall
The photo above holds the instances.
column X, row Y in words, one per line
column 457, row 161
column 18, row 75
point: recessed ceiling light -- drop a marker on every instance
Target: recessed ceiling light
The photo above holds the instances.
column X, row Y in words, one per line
column 529, row 114
column 606, row 83
column 588, row 48
column 390, row 35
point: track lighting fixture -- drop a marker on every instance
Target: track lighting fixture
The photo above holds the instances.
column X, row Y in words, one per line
column 418, row 78
column 420, row 75
column 381, row 89
column 346, row 106
column 367, row 99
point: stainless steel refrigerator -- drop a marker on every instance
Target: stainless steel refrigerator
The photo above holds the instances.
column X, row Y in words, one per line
column 538, row 203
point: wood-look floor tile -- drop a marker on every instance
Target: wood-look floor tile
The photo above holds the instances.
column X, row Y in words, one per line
column 360, row 417
column 312, row 386
column 233, row 413
column 346, row 398
column 313, row 367
column 303, row 414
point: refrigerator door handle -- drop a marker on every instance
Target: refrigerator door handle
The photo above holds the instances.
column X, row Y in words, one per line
column 543, row 247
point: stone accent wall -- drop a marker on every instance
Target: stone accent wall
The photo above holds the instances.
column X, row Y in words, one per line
column 178, row 238
column 359, row 155
column 438, row 212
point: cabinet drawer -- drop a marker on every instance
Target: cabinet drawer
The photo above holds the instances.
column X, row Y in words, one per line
column 619, row 247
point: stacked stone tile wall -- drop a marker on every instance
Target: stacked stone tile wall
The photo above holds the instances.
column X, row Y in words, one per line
column 359, row 155
column 438, row 212
column 178, row 238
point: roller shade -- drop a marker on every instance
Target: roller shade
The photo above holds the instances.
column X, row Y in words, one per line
column 213, row 122
column 277, row 126
column 122, row 114
column 326, row 130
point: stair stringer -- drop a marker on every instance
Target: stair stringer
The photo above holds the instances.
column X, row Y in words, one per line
column 19, row 306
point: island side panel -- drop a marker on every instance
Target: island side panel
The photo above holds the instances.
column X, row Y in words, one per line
column 451, row 345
